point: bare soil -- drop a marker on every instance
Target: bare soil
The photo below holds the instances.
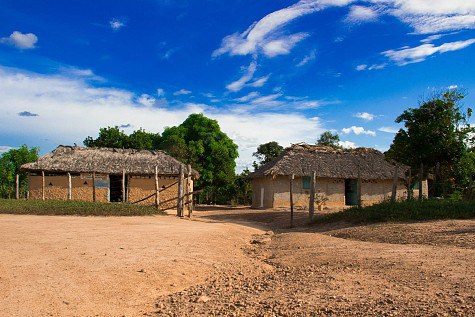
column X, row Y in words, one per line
column 234, row 262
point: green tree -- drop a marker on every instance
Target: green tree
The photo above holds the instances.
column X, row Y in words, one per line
column 267, row 152
column 329, row 139
column 436, row 134
column 10, row 163
column 111, row 137
column 141, row 140
column 200, row 142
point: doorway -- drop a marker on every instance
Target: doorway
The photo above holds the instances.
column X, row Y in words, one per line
column 351, row 192
column 116, row 188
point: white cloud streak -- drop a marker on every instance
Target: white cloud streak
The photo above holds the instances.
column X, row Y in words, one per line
column 307, row 59
column 389, row 129
column 181, row 92
column 116, row 24
column 407, row 55
column 265, row 36
column 360, row 14
column 241, row 82
column 19, row 40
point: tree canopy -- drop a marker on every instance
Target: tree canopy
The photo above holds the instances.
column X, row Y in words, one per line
column 113, row 137
column 437, row 133
column 267, row 152
column 10, row 163
column 328, row 138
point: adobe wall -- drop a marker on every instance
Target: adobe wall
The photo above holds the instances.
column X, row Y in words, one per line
column 277, row 195
column 58, row 190
column 140, row 187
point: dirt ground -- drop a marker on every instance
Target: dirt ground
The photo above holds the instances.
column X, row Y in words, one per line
column 234, row 262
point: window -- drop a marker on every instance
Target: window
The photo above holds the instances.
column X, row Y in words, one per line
column 306, row 182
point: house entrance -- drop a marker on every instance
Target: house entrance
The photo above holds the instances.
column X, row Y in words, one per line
column 116, row 188
column 351, row 192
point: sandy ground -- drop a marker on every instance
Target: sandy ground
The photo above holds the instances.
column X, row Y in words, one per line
column 234, row 262
column 95, row 266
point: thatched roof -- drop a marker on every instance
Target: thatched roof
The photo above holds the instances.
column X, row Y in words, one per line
column 75, row 159
column 303, row 159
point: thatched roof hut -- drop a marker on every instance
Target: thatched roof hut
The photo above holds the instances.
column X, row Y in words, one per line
column 75, row 159
column 303, row 159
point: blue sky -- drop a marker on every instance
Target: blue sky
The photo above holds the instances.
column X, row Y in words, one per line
column 266, row 70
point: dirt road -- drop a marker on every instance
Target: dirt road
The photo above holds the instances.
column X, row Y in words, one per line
column 234, row 262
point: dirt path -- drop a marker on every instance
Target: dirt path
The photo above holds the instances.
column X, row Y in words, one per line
column 234, row 262
column 95, row 266
column 317, row 274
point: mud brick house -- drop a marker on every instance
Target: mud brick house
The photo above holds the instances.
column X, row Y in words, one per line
column 337, row 175
column 104, row 175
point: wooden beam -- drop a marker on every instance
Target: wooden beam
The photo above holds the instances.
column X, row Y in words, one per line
column 291, row 181
column 421, row 174
column 394, row 189
column 17, row 186
column 311, row 207
column 157, row 189
column 179, row 208
column 94, row 186
column 189, row 197
column 43, row 185
column 124, row 197
column 358, row 188
column 70, row 187
column 409, row 185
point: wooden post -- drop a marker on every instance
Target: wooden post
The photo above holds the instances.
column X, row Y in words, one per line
column 189, row 199
column 43, row 185
column 157, row 189
column 421, row 174
column 124, row 197
column 394, row 189
column 17, row 186
column 179, row 205
column 311, row 207
column 291, row 180
column 70, row 186
column 409, row 186
column 358, row 188
column 28, row 190
column 94, row 186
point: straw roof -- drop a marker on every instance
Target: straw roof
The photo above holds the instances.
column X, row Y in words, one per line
column 303, row 159
column 75, row 159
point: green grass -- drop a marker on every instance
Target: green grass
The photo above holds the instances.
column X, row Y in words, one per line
column 428, row 209
column 78, row 208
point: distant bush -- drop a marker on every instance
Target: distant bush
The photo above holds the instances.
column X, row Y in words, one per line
column 427, row 209
column 79, row 208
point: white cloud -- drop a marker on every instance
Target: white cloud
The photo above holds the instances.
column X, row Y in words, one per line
column 283, row 45
column 372, row 67
column 160, row 92
column 358, row 130
column 453, row 87
column 433, row 16
column 431, row 38
column 146, row 100
column 407, row 55
column 388, row 129
column 20, row 40
column 181, row 92
column 116, row 24
column 361, row 14
column 63, row 102
column 249, row 96
column 265, row 36
column 241, row 82
column 347, row 144
column 260, row 82
column 365, row 116
column 5, row 148
column 307, row 59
